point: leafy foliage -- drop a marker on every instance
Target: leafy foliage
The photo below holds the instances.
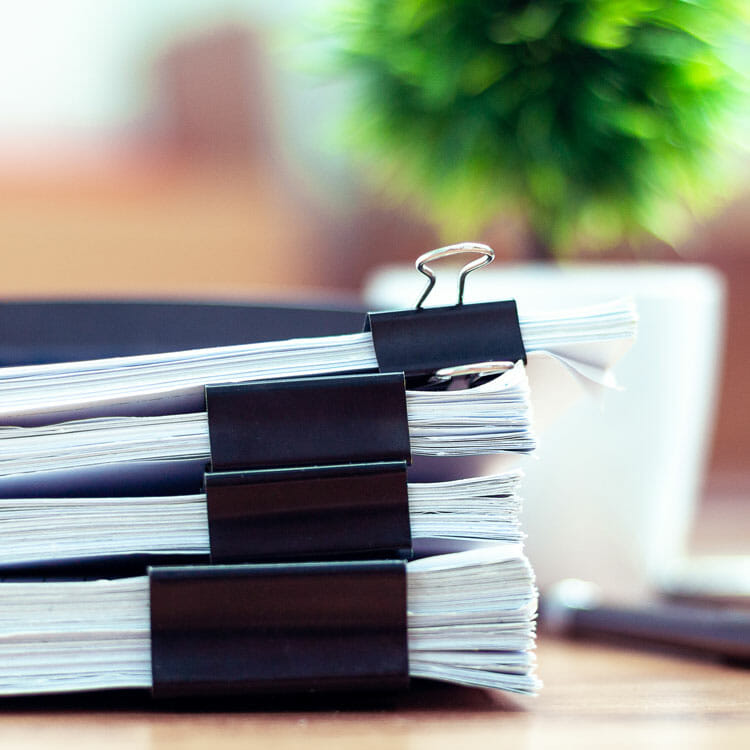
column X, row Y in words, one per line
column 597, row 119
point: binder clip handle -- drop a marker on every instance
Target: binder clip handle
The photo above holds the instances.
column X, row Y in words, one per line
column 474, row 374
column 434, row 346
column 487, row 255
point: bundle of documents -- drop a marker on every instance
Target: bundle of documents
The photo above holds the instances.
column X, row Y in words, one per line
column 490, row 418
column 469, row 620
column 174, row 381
column 303, row 533
column 61, row 529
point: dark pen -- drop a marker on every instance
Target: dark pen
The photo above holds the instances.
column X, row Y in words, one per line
column 574, row 608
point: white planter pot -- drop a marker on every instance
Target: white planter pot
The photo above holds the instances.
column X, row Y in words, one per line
column 612, row 495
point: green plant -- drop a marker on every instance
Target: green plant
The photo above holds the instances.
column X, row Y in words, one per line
column 596, row 119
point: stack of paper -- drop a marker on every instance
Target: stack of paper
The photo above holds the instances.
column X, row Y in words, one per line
column 490, row 418
column 164, row 383
column 62, row 529
column 471, row 620
column 470, row 615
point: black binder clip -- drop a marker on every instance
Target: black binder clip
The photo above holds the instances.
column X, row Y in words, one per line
column 324, row 512
column 300, row 627
column 434, row 345
column 308, row 422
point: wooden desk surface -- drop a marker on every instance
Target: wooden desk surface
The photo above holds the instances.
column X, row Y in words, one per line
column 594, row 696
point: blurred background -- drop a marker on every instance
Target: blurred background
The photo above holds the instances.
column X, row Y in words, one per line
column 194, row 149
